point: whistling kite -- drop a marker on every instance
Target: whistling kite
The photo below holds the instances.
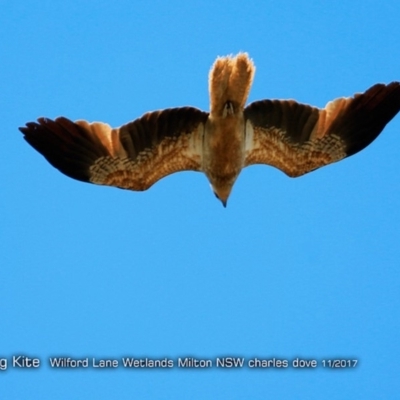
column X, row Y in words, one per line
column 293, row 137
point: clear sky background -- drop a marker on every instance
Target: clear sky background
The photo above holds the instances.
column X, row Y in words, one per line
column 305, row 267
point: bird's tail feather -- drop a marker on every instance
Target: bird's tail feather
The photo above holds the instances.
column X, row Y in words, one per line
column 230, row 80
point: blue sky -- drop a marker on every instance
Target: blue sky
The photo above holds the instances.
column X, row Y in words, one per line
column 305, row 267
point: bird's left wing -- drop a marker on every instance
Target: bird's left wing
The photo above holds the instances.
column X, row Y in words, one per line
column 134, row 156
column 298, row 138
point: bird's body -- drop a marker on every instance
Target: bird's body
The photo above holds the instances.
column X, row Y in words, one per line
column 225, row 137
column 293, row 137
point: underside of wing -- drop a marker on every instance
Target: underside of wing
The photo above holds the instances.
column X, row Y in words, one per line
column 298, row 138
column 134, row 156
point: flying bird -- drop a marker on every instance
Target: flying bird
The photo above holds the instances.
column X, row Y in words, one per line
column 293, row 137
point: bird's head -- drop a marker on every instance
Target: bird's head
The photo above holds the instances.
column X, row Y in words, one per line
column 222, row 189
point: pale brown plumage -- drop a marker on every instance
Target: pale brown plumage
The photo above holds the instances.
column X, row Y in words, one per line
column 293, row 137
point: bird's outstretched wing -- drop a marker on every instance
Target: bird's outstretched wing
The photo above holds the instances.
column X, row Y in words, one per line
column 134, row 156
column 298, row 138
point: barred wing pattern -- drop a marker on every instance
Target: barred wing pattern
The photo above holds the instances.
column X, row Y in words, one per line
column 298, row 138
column 134, row 156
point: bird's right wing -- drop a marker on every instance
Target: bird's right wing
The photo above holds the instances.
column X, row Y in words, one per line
column 298, row 138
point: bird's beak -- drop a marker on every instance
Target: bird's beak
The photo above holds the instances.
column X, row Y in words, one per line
column 222, row 192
